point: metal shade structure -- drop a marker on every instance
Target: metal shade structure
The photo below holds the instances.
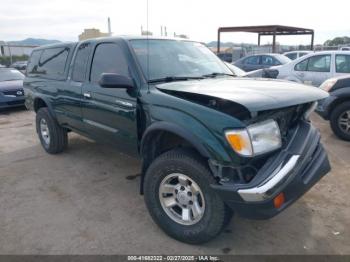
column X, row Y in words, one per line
column 266, row 30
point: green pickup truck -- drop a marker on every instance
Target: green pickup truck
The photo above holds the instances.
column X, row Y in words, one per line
column 211, row 144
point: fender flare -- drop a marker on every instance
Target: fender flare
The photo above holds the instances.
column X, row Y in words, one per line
column 172, row 128
column 341, row 94
column 49, row 106
column 177, row 130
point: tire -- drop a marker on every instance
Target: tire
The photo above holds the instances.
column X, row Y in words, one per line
column 58, row 138
column 339, row 113
column 215, row 214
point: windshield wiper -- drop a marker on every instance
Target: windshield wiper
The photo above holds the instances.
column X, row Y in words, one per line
column 174, row 78
column 215, row 74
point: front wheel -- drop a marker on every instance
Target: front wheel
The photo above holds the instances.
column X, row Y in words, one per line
column 180, row 200
column 340, row 121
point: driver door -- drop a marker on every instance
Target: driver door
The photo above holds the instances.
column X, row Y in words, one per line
column 110, row 113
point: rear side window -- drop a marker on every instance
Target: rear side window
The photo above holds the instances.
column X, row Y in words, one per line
column 292, row 56
column 80, row 62
column 33, row 63
column 52, row 62
column 253, row 60
column 342, row 63
column 108, row 58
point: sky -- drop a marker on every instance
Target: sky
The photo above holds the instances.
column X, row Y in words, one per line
column 199, row 19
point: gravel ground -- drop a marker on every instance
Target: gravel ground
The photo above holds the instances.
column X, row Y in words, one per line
column 86, row 201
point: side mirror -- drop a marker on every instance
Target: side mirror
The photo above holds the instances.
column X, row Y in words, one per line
column 111, row 80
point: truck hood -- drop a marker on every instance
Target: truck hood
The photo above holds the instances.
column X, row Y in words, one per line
column 254, row 94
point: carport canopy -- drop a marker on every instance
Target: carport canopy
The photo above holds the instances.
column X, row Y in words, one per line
column 266, row 30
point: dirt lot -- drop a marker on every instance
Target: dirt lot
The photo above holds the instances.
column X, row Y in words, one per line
column 86, row 201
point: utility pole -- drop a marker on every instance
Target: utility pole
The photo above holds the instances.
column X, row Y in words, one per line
column 109, row 27
column 9, row 47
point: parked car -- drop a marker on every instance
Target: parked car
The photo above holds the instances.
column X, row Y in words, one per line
column 11, row 88
column 254, row 62
column 314, row 68
column 209, row 142
column 226, row 57
column 292, row 55
column 20, row 65
column 336, row 107
column 235, row 70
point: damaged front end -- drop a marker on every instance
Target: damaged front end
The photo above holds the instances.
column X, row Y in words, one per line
column 252, row 188
column 268, row 176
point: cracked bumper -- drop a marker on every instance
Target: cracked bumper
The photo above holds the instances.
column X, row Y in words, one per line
column 293, row 171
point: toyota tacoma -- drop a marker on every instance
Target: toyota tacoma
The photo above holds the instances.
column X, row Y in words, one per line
column 211, row 144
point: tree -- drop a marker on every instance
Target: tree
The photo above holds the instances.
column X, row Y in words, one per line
column 345, row 40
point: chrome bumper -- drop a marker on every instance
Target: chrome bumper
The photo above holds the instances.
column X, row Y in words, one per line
column 269, row 186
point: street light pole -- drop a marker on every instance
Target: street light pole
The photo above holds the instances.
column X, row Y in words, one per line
column 9, row 48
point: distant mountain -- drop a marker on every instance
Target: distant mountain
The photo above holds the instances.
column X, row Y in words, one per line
column 34, row 41
column 226, row 44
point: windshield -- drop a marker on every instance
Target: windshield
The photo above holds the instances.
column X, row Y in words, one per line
column 171, row 58
column 10, row 75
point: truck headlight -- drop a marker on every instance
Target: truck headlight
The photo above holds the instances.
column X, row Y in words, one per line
column 256, row 139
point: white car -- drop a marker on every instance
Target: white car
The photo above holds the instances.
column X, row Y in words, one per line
column 314, row 68
column 296, row 54
column 235, row 70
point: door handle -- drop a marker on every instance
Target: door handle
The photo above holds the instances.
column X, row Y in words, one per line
column 87, row 95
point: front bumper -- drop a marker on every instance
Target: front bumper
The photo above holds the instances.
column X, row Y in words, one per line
column 14, row 100
column 293, row 171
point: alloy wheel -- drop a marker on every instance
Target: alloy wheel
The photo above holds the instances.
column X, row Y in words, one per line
column 181, row 199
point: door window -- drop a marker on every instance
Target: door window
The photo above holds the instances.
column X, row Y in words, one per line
column 292, row 56
column 253, row 60
column 319, row 63
column 269, row 60
column 342, row 63
column 108, row 58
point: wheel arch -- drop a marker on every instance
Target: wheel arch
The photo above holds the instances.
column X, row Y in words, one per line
column 342, row 96
column 40, row 102
column 152, row 143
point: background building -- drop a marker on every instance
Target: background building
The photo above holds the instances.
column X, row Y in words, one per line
column 91, row 33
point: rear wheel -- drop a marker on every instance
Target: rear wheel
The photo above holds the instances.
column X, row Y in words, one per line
column 340, row 121
column 52, row 136
column 180, row 200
